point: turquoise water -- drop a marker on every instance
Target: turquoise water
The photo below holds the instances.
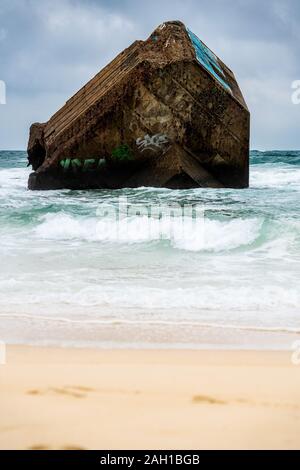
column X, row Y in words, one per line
column 71, row 273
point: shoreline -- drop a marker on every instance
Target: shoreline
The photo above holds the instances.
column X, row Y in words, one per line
column 134, row 335
column 62, row 398
column 190, row 347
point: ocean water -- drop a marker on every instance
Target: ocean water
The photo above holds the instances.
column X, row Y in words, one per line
column 74, row 273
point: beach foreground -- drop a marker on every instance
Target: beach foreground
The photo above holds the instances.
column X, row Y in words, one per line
column 100, row 399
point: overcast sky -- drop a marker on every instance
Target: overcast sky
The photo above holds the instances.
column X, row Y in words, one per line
column 50, row 48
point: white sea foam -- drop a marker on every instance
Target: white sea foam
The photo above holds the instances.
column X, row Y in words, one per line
column 122, row 321
column 275, row 177
column 223, row 236
column 259, row 302
column 13, row 178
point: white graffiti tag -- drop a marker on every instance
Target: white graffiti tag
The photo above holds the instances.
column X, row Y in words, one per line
column 153, row 143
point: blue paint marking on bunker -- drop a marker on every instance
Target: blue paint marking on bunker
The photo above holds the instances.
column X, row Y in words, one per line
column 208, row 59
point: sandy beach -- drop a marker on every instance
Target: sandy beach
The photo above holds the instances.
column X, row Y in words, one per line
column 133, row 399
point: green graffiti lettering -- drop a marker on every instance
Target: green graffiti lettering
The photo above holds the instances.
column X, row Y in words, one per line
column 65, row 163
column 88, row 163
column 122, row 153
column 101, row 162
column 76, row 163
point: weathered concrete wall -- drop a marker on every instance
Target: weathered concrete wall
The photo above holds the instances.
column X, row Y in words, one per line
column 169, row 95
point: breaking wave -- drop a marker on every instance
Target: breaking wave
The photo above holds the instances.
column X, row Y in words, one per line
column 211, row 235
